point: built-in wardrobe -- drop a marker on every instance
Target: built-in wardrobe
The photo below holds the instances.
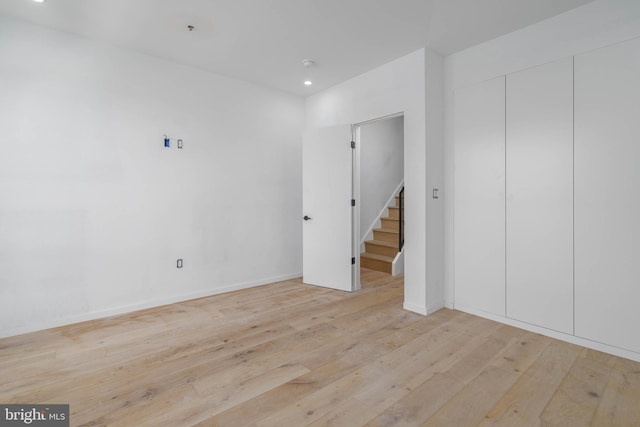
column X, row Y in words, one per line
column 547, row 197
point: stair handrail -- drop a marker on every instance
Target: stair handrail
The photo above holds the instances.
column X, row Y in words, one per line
column 401, row 220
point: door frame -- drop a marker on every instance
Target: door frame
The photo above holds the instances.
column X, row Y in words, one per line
column 355, row 191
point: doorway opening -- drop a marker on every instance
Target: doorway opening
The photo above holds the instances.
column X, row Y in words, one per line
column 378, row 186
column 351, row 177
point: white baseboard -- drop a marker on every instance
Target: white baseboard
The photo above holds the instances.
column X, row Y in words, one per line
column 99, row 314
column 616, row 351
column 435, row 307
column 425, row 311
column 415, row 308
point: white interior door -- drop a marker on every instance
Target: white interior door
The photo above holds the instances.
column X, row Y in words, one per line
column 327, row 182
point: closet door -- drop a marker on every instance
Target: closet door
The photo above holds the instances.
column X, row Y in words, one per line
column 539, row 216
column 479, row 197
column 607, row 195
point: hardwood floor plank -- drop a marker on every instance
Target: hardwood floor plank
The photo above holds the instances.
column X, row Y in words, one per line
column 343, row 359
column 312, row 407
column 384, row 378
column 492, row 367
column 223, row 397
column 418, row 406
column 519, row 358
column 619, row 405
column 578, row 396
column 259, row 407
column 469, row 406
column 405, row 369
column 348, row 414
column 524, row 402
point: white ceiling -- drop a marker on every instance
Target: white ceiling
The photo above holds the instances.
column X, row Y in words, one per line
column 265, row 41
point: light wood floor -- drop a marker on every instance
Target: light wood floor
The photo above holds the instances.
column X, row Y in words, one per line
column 291, row 355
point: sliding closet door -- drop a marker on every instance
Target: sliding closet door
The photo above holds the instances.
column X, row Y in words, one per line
column 607, row 212
column 539, row 218
column 479, row 197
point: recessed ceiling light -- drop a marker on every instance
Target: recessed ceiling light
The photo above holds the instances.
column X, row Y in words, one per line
column 39, row 1
column 308, row 82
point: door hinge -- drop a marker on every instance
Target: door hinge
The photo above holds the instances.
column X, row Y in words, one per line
column 353, row 144
column 353, row 261
column 353, row 202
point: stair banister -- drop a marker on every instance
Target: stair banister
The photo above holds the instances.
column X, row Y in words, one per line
column 401, row 221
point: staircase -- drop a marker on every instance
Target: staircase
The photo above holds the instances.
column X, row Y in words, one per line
column 380, row 252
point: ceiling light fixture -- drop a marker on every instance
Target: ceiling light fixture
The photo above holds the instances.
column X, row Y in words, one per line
column 39, row 1
column 308, row 64
column 190, row 28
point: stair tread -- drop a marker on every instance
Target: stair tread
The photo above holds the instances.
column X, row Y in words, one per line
column 377, row 257
column 387, row 230
column 388, row 218
column 393, row 245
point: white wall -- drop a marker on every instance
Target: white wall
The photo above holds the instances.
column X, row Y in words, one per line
column 589, row 27
column 434, row 179
column 400, row 86
column 381, row 167
column 94, row 211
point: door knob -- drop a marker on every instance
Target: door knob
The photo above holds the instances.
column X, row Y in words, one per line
column 306, row 218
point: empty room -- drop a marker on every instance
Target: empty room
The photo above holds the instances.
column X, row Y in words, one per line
column 310, row 213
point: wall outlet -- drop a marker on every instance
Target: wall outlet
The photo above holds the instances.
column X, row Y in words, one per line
column 179, row 263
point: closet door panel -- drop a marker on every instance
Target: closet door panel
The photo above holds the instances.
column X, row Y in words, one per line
column 607, row 195
column 539, row 212
column 479, row 197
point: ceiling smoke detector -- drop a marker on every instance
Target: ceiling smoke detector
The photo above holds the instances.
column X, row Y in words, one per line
column 308, row 63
